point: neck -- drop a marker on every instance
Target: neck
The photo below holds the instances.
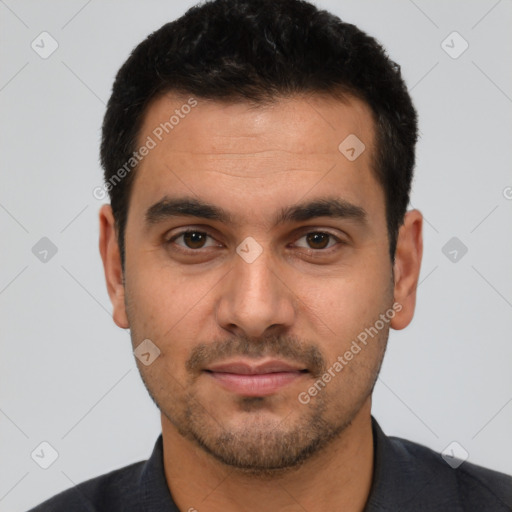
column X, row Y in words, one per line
column 337, row 478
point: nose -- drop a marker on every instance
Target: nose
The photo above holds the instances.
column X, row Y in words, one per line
column 255, row 299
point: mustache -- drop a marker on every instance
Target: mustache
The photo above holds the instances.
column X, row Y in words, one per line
column 290, row 348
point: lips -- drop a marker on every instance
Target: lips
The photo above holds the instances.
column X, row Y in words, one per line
column 245, row 368
column 255, row 379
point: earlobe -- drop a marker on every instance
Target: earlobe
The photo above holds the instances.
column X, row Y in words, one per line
column 409, row 251
column 110, row 254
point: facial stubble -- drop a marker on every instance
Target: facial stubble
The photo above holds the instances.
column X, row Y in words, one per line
column 262, row 445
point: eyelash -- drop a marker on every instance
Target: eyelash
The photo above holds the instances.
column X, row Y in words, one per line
column 187, row 250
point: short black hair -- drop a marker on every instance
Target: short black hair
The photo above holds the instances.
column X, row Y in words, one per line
column 258, row 51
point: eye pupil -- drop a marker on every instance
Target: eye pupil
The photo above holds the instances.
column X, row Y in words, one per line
column 318, row 238
column 194, row 239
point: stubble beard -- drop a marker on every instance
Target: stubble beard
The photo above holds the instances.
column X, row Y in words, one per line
column 263, row 447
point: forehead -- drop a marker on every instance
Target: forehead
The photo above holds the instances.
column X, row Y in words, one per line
column 304, row 124
column 237, row 151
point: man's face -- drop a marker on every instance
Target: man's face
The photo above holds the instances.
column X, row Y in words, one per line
column 258, row 287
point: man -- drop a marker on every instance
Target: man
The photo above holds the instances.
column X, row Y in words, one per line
column 259, row 155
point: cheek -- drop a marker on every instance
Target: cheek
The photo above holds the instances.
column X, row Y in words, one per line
column 343, row 305
column 159, row 294
column 169, row 309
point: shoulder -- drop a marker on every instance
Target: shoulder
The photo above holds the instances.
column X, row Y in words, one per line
column 411, row 476
column 475, row 487
column 139, row 486
column 114, row 491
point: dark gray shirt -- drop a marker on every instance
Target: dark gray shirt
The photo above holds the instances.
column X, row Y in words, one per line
column 407, row 477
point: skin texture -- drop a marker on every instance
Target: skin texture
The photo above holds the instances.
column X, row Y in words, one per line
column 298, row 301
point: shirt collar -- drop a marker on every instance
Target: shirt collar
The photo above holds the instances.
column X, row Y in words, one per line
column 402, row 480
column 154, row 491
column 399, row 479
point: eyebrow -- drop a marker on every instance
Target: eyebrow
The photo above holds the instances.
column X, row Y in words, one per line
column 332, row 207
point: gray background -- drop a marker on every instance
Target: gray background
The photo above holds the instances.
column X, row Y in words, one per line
column 68, row 376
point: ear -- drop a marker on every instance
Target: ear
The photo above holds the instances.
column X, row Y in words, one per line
column 409, row 250
column 109, row 250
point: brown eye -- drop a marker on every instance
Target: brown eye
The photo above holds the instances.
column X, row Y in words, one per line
column 318, row 240
column 192, row 240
